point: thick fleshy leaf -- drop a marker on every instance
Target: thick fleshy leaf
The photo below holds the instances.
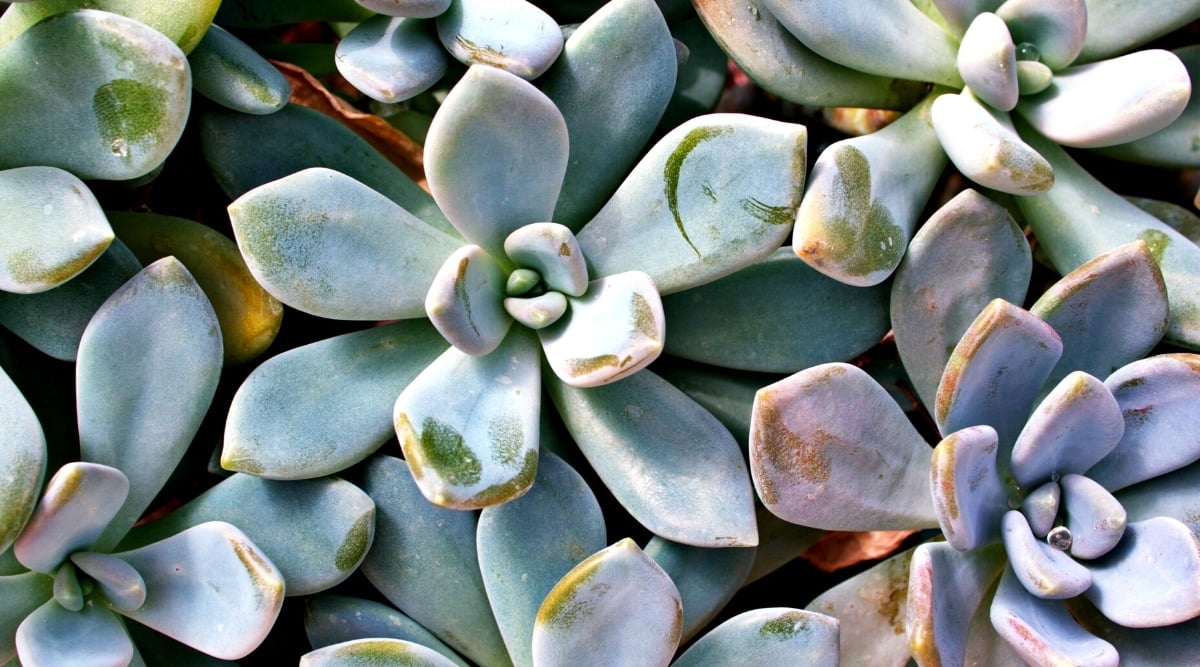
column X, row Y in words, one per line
column 617, row 603
column 609, row 333
column 1042, row 631
column 1095, row 518
column 425, row 9
column 983, row 146
column 713, row 196
column 488, row 174
column 138, row 92
column 22, row 461
column 612, row 83
column 425, row 562
column 1057, row 29
column 326, row 244
column 22, row 594
column 865, row 195
column 391, row 59
column 75, row 508
column 465, row 301
column 53, row 228
column 1152, row 578
column 552, row 251
column 123, row 588
column 813, row 469
column 1112, row 101
column 758, row 320
column 513, row 35
column 333, row 619
column 706, row 578
column 1142, row 647
column 987, row 61
column 93, row 636
column 469, row 425
column 968, row 492
column 527, row 545
column 995, row 373
column 945, row 588
column 229, row 72
column 319, row 532
column 1172, row 146
column 210, row 588
column 184, row 24
column 1040, row 507
column 768, row 637
column 871, row 610
column 320, row 408
column 700, row 83
column 371, row 652
column 266, row 13
column 669, row 462
column 1074, row 427
column 537, row 312
column 958, row 14
column 1044, row 571
column 1115, row 26
column 969, row 252
column 147, row 370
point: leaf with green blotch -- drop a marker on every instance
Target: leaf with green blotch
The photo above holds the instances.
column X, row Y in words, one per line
column 22, row 461
column 326, row 244
column 22, row 594
column 375, row 651
column 1116, row 26
column 945, row 587
column 489, row 175
column 229, row 72
column 140, row 93
column 706, row 578
column 75, row 508
column 267, row 13
column 612, row 82
column 338, row 521
column 982, row 144
column 1079, row 218
column 838, row 474
column 511, row 35
column 1183, row 220
column 391, row 59
column 1149, row 580
column 692, row 211
column 320, row 408
column 758, row 322
column 870, row 610
column 864, row 197
column 1176, row 146
column 527, row 545
column 147, row 370
column 184, row 23
column 617, row 603
column 469, row 425
column 52, row 635
column 768, row 637
column 333, row 619
column 424, row 561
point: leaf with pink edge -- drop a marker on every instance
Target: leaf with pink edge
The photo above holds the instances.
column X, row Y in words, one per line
column 1095, row 518
column 1152, row 578
column 1044, row 571
column 945, row 588
column 78, row 503
column 765, row 638
column 1042, row 631
column 969, row 494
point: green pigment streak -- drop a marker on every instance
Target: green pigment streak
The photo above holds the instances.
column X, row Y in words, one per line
column 674, row 167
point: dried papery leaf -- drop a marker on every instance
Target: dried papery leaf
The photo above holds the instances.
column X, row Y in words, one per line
column 840, row 549
column 768, row 637
column 871, row 609
column 333, row 619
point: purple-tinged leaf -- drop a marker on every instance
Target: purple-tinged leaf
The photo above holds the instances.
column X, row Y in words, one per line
column 1173, row 494
column 122, row 586
column 1042, row 631
column 968, row 493
column 92, row 636
column 1040, row 508
column 945, row 588
column 987, row 61
column 78, row 503
column 1152, row 578
column 1177, row 644
column 766, row 638
column 1095, row 518
column 1043, row 570
column 870, row 609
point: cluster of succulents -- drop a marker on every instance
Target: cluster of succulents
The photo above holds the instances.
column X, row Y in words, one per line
column 502, row 332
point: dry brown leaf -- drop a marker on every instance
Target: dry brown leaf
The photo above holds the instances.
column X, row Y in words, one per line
column 842, row 549
column 392, row 143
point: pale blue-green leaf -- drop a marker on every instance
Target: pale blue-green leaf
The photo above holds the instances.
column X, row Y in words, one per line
column 53, row 321
column 124, row 93
column 552, row 250
column 318, row 533
column 1042, row 631
column 946, row 587
column 1033, row 77
column 766, row 638
column 1177, row 146
column 706, row 578
column 745, row 321
column 1143, row 647
column 618, row 603
column 22, row 594
column 864, row 198
column 870, row 610
column 425, row 9
column 53, row 228
column 894, row 39
column 513, row 35
column 815, row 470
column 208, row 587
column 1116, row 26
column 728, row 395
column 373, row 652
column 1044, row 571
column 76, row 506
column 267, row 13
column 1181, row 219
column 147, row 370
column 987, row 61
column 67, row 591
column 669, row 462
column 425, row 562
column 1152, row 578
column 612, row 83
column 184, row 24
column 779, row 543
column 333, row 619
column 969, row 252
column 229, row 72
column 527, row 545
column 1072, row 429
column 713, row 196
column 1057, row 29
column 537, row 312
column 296, row 138
column 391, row 59
column 982, row 144
column 1108, row 311
column 609, row 333
column 968, row 493
column 958, row 14
column 700, row 81
column 324, row 243
column 488, row 174
column 1095, row 518
column 465, row 301
column 320, row 408
column 1040, row 506
column 1080, row 218
column 995, row 373
column 1112, row 101
column 151, row 648
column 22, row 461
column 469, row 425
column 121, row 585
column 91, row 637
